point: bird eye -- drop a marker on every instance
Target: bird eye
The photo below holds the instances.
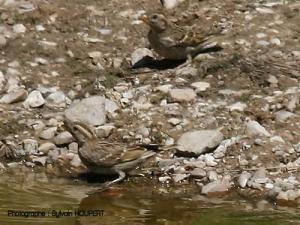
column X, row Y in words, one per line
column 154, row 17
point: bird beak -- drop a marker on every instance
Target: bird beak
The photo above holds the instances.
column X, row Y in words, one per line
column 144, row 18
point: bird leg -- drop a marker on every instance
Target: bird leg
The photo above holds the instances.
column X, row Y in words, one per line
column 186, row 63
column 121, row 177
column 106, row 185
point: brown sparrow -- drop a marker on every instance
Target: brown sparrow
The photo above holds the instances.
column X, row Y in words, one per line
column 104, row 157
column 173, row 42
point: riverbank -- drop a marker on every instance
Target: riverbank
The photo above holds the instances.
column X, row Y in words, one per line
column 233, row 115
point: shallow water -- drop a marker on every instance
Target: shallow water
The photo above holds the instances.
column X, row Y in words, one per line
column 131, row 202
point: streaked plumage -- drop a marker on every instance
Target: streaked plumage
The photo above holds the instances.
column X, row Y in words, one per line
column 173, row 42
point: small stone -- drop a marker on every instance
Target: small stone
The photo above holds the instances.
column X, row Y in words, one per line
column 89, row 111
column 46, row 147
column 238, row 106
column 253, row 128
column 73, row 147
column 19, row 28
column 263, row 43
column 174, row 121
column 200, row 141
column 40, row 160
column 275, row 41
column 282, row 115
column 40, row 28
column 48, row 133
column 75, row 162
column 14, row 96
column 63, row 138
column 3, row 41
column 179, row 177
column 139, row 54
column 216, row 187
column 30, row 146
column 104, row 130
column 272, row 79
column 243, row 179
column 34, row 100
column 41, row 61
column 186, row 71
column 182, row 95
column 198, row 173
column 164, row 88
column 296, row 54
column 164, row 179
column 110, row 106
column 260, row 176
column 200, row 86
column 57, row 99
column 265, row 10
column 212, row 175
column 169, row 4
column 209, row 160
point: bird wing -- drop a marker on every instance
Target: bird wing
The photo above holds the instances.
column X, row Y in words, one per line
column 181, row 37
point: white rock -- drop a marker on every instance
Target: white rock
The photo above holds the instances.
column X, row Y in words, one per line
column 243, row 179
column 46, row 147
column 200, row 86
column 89, row 110
column 253, row 128
column 30, row 146
column 63, row 138
column 14, row 96
column 139, row 54
column 238, row 106
column 104, row 130
column 216, row 187
column 186, row 71
column 199, row 141
column 182, row 95
column 282, row 115
column 34, row 99
column 48, row 133
column 174, row 121
column 19, row 28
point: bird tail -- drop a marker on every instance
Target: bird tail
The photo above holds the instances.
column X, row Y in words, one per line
column 207, row 47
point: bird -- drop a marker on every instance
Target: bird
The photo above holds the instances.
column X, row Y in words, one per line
column 174, row 42
column 105, row 157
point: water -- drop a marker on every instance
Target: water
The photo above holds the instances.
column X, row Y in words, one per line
column 134, row 202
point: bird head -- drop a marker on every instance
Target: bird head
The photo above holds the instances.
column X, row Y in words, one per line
column 156, row 21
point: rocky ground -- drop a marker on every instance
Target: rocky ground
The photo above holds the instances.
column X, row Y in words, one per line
column 233, row 116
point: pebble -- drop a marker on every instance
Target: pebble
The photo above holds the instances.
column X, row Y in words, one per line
column 139, row 54
column 238, row 106
column 104, row 130
column 198, row 173
column 40, row 160
column 89, row 111
column 200, row 86
column 186, row 71
column 243, row 179
column 199, row 141
column 46, row 147
column 216, row 187
column 34, row 100
column 182, row 95
column 48, row 133
column 19, row 28
column 179, row 177
column 63, row 138
column 30, row 146
column 14, row 96
column 253, row 128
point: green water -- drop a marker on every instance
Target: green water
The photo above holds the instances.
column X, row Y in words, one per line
column 133, row 202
